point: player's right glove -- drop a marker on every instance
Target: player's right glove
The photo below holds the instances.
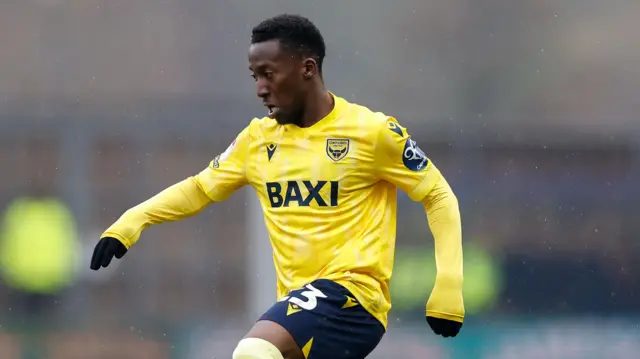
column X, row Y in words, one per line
column 105, row 250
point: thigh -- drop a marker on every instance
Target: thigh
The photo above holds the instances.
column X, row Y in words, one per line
column 277, row 335
column 327, row 322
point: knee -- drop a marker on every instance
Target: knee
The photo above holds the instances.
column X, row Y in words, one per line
column 256, row 348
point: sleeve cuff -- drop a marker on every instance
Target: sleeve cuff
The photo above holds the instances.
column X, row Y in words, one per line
column 453, row 317
column 122, row 240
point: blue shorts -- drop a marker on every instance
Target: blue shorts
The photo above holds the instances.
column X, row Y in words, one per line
column 327, row 322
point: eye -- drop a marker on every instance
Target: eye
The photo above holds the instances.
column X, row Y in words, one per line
column 268, row 75
column 253, row 76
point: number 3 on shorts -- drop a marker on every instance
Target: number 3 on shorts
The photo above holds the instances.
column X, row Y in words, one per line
column 312, row 294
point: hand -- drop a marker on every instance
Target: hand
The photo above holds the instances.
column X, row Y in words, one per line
column 445, row 307
column 105, row 250
column 446, row 328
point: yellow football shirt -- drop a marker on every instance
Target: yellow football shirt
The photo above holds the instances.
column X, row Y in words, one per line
column 329, row 196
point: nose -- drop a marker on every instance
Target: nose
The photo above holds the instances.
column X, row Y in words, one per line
column 263, row 89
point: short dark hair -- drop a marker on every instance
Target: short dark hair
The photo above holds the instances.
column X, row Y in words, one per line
column 295, row 32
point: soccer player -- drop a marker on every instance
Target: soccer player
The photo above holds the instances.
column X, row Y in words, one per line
column 326, row 172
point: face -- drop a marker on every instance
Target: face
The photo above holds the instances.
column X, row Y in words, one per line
column 282, row 80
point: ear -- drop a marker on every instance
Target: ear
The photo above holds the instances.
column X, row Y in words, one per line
column 309, row 68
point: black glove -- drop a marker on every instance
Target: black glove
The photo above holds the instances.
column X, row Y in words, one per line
column 106, row 248
column 444, row 327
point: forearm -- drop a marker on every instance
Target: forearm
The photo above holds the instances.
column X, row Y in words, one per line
column 441, row 206
column 182, row 200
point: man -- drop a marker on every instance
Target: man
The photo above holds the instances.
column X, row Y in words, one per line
column 326, row 173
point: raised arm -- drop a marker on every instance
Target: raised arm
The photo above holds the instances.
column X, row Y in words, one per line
column 181, row 200
column 224, row 175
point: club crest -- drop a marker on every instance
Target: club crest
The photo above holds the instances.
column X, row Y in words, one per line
column 337, row 148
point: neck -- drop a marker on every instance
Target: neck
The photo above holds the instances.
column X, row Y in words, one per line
column 319, row 103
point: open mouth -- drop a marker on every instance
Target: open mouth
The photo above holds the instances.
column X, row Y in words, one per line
column 273, row 110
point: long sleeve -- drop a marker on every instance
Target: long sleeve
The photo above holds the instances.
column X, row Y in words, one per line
column 441, row 206
column 215, row 183
column 182, row 200
column 400, row 161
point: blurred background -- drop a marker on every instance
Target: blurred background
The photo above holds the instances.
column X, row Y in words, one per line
column 530, row 109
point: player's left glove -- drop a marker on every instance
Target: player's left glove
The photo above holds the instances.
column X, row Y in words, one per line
column 445, row 308
column 446, row 328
